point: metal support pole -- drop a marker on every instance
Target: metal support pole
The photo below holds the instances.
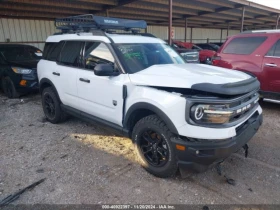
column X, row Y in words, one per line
column 242, row 20
column 227, row 30
column 107, row 13
column 170, row 23
column 191, row 33
column 186, row 29
column 277, row 22
column 221, row 38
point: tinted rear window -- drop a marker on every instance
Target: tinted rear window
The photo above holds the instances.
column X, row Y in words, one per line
column 71, row 52
column 52, row 50
column 244, row 45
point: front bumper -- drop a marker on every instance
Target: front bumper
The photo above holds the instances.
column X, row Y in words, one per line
column 200, row 154
column 31, row 82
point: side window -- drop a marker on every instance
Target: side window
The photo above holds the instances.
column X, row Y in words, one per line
column 46, row 51
column 52, row 50
column 70, row 53
column 97, row 53
column 244, row 45
column 275, row 50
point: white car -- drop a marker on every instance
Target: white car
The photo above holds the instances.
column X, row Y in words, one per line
column 186, row 116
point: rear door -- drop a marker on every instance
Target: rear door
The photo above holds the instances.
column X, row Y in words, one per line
column 271, row 69
column 66, row 71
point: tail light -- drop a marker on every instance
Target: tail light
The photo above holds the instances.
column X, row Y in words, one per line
column 216, row 60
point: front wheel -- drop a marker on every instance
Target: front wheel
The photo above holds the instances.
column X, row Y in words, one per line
column 153, row 147
column 9, row 88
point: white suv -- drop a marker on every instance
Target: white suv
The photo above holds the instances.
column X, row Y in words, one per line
column 186, row 116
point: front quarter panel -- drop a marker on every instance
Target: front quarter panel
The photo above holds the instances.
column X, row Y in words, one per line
column 171, row 104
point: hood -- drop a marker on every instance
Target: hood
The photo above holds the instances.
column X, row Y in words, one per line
column 186, row 75
column 31, row 64
column 182, row 50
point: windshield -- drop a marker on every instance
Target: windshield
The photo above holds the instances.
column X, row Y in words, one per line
column 21, row 53
column 137, row 57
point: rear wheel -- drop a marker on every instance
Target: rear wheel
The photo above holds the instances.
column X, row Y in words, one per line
column 51, row 106
column 9, row 88
column 153, row 147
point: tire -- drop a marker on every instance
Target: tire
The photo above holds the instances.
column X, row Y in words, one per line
column 8, row 88
column 152, row 129
column 51, row 106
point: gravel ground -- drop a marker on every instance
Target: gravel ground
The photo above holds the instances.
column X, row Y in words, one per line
column 89, row 164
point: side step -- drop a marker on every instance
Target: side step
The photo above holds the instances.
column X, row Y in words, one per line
column 271, row 100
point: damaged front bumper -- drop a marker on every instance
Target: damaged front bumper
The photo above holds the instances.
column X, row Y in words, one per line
column 200, row 154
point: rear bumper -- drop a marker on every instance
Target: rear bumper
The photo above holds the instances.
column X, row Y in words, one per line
column 201, row 154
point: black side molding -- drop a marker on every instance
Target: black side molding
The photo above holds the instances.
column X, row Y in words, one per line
column 237, row 88
column 90, row 118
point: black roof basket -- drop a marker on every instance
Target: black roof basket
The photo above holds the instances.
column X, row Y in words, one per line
column 90, row 22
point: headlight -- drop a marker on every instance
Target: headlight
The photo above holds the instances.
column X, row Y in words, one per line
column 214, row 114
column 19, row 70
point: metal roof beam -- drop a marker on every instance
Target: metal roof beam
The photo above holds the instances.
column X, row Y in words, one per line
column 107, row 2
column 18, row 14
column 142, row 12
column 18, row 7
column 161, row 9
column 187, row 5
column 60, row 4
column 119, row 4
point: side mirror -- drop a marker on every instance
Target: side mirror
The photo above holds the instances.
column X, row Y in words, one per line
column 105, row 70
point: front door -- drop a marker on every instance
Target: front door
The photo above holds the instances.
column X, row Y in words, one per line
column 271, row 69
column 100, row 96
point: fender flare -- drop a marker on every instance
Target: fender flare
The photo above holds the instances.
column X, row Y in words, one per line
column 150, row 107
column 47, row 81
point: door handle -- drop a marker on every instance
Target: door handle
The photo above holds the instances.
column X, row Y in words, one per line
column 84, row 80
column 270, row 64
column 56, row 74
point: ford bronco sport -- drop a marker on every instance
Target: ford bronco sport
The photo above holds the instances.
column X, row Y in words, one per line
column 186, row 116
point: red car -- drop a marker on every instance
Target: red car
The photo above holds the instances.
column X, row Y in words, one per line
column 256, row 53
column 205, row 56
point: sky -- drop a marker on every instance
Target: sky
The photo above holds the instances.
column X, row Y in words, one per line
column 270, row 3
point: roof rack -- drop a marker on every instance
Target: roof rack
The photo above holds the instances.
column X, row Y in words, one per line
column 89, row 22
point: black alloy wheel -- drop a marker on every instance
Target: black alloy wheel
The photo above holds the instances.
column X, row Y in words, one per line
column 154, row 148
column 52, row 106
column 49, row 106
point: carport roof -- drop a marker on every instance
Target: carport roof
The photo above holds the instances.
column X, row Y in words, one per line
column 199, row 13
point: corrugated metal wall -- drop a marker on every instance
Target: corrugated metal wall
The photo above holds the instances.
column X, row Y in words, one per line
column 35, row 32
column 198, row 34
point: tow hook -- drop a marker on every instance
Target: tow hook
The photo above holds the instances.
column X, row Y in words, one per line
column 246, row 148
